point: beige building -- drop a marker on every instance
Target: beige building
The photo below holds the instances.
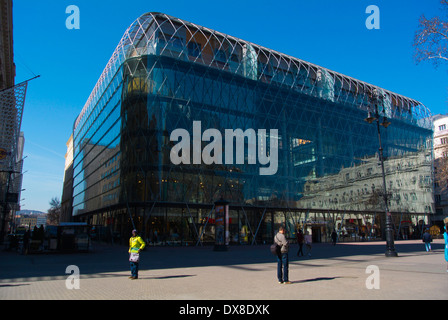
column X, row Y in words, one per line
column 28, row 221
column 7, row 66
column 440, row 156
column 67, row 192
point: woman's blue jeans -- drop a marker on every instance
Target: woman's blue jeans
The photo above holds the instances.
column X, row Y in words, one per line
column 134, row 269
column 282, row 267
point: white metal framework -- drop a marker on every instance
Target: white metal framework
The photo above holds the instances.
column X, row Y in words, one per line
column 12, row 101
column 158, row 33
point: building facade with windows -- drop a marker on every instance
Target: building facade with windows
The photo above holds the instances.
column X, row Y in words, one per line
column 308, row 121
column 12, row 99
column 440, row 167
column 67, row 190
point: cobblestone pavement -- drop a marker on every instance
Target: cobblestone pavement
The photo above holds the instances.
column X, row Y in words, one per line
column 241, row 273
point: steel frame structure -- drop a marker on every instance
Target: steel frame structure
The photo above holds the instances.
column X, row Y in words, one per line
column 305, row 77
column 135, row 81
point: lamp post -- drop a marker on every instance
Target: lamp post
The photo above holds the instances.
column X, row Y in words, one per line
column 376, row 98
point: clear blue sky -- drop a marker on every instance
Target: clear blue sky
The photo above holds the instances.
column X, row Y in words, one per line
column 330, row 33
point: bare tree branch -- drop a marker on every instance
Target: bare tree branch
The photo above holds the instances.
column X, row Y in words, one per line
column 54, row 213
column 431, row 39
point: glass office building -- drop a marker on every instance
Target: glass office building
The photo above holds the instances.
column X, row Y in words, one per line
column 300, row 155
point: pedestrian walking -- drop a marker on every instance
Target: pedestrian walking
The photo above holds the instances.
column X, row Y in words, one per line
column 427, row 239
column 445, row 236
column 334, row 237
column 136, row 245
column 308, row 242
column 300, row 242
column 282, row 258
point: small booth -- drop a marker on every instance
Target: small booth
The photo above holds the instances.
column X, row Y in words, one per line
column 69, row 237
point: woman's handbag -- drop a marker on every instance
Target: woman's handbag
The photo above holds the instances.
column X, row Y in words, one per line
column 134, row 257
column 275, row 249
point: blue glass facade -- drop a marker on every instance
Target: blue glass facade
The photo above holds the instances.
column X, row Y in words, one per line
column 168, row 74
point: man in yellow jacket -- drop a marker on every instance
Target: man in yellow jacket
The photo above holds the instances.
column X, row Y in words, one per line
column 136, row 244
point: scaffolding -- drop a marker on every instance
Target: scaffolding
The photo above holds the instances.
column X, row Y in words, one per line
column 12, row 101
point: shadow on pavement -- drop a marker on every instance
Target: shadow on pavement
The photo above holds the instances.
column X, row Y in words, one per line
column 104, row 259
column 316, row 279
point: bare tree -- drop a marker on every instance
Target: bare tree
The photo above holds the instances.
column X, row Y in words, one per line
column 54, row 213
column 431, row 38
column 441, row 174
column 431, row 44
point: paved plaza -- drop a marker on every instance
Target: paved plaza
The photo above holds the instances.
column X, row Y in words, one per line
column 241, row 273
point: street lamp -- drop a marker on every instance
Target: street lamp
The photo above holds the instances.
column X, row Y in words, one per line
column 376, row 99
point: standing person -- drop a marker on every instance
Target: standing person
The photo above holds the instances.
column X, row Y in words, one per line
column 427, row 240
column 334, row 237
column 282, row 258
column 445, row 236
column 26, row 241
column 136, row 244
column 308, row 241
column 300, row 242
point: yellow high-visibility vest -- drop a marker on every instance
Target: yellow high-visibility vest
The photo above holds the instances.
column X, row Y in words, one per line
column 136, row 243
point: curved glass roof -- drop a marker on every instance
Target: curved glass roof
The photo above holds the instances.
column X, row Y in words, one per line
column 160, row 34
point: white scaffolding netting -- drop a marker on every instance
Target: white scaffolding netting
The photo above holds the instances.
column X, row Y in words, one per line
column 12, row 101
